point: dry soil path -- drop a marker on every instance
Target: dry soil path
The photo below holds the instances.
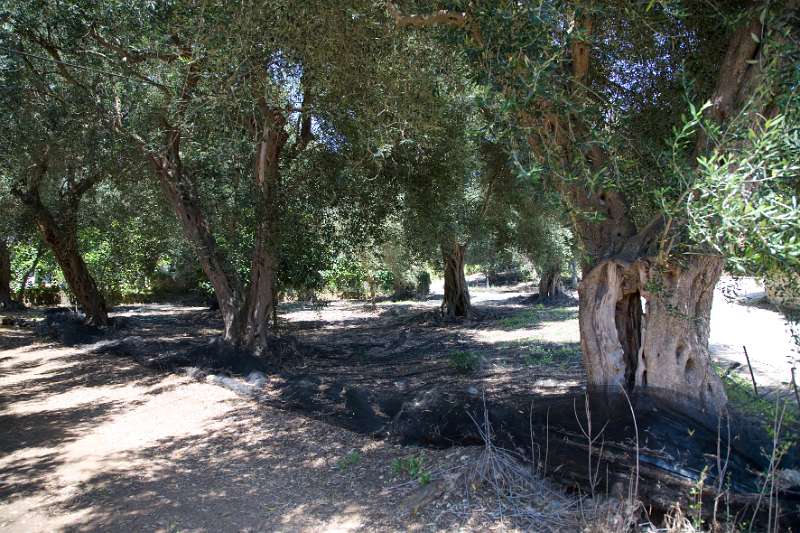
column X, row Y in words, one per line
column 97, row 444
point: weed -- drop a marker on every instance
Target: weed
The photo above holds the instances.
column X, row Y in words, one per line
column 351, row 459
column 464, row 362
column 740, row 394
column 540, row 313
column 548, row 355
column 540, row 358
column 412, row 467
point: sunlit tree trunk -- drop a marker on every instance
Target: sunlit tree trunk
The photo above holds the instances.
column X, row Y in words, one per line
column 666, row 346
column 6, row 301
column 456, row 293
column 610, row 326
column 23, row 281
column 550, row 286
column 674, row 351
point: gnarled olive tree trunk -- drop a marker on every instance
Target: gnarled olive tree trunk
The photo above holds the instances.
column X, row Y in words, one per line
column 63, row 241
column 664, row 346
column 181, row 193
column 674, row 351
column 550, row 286
column 609, row 315
column 261, row 297
column 456, row 293
column 245, row 309
column 244, row 312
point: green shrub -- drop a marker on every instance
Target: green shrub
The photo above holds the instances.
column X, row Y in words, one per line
column 351, row 459
column 43, row 295
column 385, row 279
column 464, row 362
column 347, row 278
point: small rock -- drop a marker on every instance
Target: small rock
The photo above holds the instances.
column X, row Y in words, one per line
column 256, row 378
column 193, row 372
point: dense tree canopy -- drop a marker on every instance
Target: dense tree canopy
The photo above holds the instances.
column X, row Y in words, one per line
column 251, row 147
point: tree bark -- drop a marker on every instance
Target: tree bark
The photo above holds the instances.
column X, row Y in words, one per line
column 261, row 297
column 665, row 347
column 674, row 351
column 63, row 241
column 600, row 292
column 456, row 293
column 550, row 286
column 61, row 236
column 245, row 311
column 6, row 302
column 181, row 193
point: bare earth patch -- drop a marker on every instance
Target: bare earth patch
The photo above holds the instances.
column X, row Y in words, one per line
column 100, row 443
column 93, row 444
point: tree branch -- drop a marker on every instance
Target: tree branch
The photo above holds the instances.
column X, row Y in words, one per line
column 131, row 56
column 53, row 51
column 442, row 17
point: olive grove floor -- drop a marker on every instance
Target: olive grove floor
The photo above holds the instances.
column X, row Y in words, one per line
column 96, row 443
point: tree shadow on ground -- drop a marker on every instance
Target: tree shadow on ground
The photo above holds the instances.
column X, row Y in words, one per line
column 78, row 369
column 11, row 338
column 27, row 475
column 404, row 369
column 257, row 472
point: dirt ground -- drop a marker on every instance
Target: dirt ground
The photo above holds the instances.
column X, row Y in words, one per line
column 91, row 442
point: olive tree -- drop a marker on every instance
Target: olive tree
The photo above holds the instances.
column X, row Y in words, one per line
column 598, row 88
column 228, row 105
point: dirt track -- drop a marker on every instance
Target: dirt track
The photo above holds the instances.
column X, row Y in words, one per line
column 90, row 444
column 93, row 443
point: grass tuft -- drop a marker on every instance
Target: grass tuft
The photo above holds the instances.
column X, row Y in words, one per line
column 464, row 362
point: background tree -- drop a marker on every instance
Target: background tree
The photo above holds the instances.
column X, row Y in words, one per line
column 518, row 214
column 232, row 118
column 56, row 148
column 441, row 196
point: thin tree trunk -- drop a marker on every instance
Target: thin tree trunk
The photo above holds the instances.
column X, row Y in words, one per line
column 550, row 287
column 6, row 302
column 261, row 297
column 245, row 313
column 181, row 193
column 61, row 236
column 456, row 293
column 23, row 282
column 63, row 242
